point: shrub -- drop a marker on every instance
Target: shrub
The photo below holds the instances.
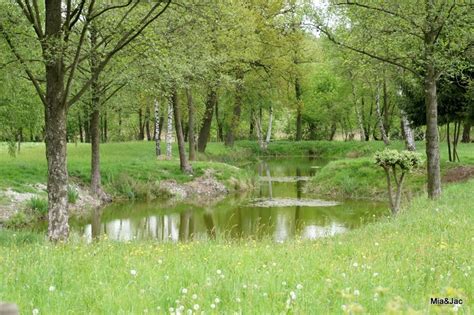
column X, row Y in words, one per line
column 39, row 206
column 393, row 161
column 72, row 195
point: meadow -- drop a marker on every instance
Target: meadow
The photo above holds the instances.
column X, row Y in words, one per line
column 395, row 266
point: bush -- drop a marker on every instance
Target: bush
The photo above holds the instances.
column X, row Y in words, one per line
column 39, row 206
column 72, row 195
column 393, row 161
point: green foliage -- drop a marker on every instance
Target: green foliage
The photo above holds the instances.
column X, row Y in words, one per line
column 406, row 160
column 39, row 206
column 72, row 195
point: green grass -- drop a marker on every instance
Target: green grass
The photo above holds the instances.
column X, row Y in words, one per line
column 119, row 161
column 394, row 266
column 360, row 178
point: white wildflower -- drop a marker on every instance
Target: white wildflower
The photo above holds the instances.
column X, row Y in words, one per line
column 299, row 286
column 133, row 272
column 52, row 288
column 35, row 311
column 213, row 305
column 184, row 290
column 196, row 307
column 293, row 295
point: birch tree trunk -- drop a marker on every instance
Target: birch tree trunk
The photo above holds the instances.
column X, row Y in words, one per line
column 408, row 132
column 157, row 128
column 379, row 117
column 169, row 132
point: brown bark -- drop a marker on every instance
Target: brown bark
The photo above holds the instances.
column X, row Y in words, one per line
column 220, row 127
column 205, row 131
column 191, row 136
column 81, row 134
column 95, row 118
column 183, row 160
column 432, row 137
column 234, row 123
column 299, row 105
column 466, row 132
column 141, row 125
column 147, row 124
column 379, row 117
column 55, row 125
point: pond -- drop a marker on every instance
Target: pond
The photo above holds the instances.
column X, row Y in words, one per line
column 278, row 208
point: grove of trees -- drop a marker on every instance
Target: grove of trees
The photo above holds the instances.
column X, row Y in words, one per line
column 97, row 71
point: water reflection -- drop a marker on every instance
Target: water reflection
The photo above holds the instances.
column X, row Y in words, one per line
column 234, row 216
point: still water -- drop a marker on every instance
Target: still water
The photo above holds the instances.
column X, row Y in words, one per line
column 278, row 208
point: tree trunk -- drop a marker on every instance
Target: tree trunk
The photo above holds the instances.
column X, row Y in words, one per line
column 251, row 125
column 269, row 130
column 55, row 126
column 299, row 105
column 79, row 121
column 360, row 120
column 95, row 118
column 105, row 126
column 366, row 125
column 183, row 160
column 448, row 140
column 457, row 132
column 169, row 132
column 205, row 131
column 87, row 129
column 119, row 124
column 147, row 124
column 432, row 136
column 191, row 114
column 141, row 125
column 234, row 124
column 466, row 132
column 379, row 117
column 386, row 109
column 157, row 128
column 398, row 196
column 220, row 127
column 407, row 132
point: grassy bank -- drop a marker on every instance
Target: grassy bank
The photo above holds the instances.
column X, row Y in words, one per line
column 125, row 166
column 394, row 265
column 359, row 178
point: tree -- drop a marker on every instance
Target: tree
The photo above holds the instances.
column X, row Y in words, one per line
column 428, row 40
column 396, row 165
column 61, row 41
